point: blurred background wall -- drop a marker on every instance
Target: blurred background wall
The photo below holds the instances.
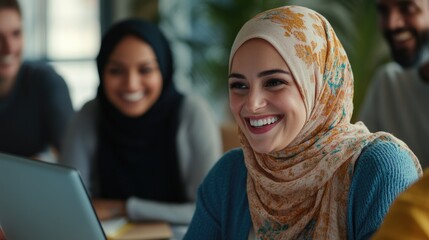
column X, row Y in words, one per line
column 67, row 33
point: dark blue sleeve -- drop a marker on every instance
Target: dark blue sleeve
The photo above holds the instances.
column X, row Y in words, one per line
column 382, row 171
column 57, row 106
column 205, row 223
column 222, row 209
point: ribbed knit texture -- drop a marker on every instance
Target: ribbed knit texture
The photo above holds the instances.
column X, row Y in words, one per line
column 381, row 173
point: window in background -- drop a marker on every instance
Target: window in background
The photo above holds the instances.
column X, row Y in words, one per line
column 187, row 30
column 67, row 35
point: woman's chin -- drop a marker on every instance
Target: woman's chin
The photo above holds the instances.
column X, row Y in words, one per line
column 259, row 148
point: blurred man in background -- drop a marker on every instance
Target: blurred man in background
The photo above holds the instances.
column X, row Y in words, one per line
column 398, row 97
column 35, row 104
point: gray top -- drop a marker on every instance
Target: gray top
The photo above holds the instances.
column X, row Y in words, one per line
column 397, row 103
column 199, row 147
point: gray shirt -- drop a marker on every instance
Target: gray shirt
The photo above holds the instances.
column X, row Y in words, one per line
column 199, row 147
column 396, row 102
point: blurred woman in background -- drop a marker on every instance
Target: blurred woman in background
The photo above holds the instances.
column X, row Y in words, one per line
column 141, row 146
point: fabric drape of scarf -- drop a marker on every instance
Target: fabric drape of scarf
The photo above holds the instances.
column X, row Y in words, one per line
column 301, row 192
column 137, row 156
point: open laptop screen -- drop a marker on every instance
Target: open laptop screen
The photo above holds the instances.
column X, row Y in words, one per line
column 40, row 200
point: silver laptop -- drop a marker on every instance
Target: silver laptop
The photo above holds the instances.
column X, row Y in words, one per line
column 40, row 200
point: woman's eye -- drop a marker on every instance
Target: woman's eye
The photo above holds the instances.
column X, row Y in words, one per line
column 274, row 82
column 145, row 70
column 237, row 85
column 114, row 71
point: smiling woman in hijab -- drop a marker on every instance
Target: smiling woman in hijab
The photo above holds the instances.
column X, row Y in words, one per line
column 141, row 146
column 304, row 171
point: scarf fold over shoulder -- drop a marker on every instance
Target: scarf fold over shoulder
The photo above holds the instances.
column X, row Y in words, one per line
column 137, row 156
column 302, row 190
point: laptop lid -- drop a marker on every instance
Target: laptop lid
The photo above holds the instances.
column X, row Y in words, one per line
column 40, row 200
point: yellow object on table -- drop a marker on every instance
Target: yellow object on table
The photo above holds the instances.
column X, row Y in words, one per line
column 122, row 229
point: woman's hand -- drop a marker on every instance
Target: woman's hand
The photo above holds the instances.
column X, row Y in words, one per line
column 109, row 208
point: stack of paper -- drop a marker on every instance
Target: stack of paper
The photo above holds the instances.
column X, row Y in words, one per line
column 113, row 226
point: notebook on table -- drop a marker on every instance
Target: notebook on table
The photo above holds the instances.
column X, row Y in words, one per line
column 40, row 200
column 122, row 229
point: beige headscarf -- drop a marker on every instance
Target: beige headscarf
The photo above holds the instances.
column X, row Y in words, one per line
column 302, row 190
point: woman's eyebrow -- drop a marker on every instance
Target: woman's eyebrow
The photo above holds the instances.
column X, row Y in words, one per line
column 262, row 74
column 273, row 71
column 236, row 75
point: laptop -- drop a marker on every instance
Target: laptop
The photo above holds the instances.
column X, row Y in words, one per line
column 40, row 200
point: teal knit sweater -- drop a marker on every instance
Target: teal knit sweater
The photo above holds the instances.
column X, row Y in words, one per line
column 382, row 171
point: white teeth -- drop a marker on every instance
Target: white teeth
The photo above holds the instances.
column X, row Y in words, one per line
column 6, row 59
column 402, row 36
column 132, row 97
column 263, row 122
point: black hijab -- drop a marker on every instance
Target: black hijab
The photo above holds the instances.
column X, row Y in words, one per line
column 137, row 156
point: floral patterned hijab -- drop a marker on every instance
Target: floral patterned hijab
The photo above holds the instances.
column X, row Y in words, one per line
column 302, row 190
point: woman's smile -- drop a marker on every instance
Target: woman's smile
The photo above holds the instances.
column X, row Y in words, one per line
column 262, row 124
column 133, row 97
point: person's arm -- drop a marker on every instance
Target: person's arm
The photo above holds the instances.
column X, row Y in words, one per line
column 141, row 209
column 207, row 221
column 79, row 143
column 200, row 136
column 382, row 172
column 222, row 210
column 109, row 208
column 57, row 106
column 199, row 146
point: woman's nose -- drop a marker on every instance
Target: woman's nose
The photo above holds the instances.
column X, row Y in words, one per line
column 256, row 100
column 133, row 81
